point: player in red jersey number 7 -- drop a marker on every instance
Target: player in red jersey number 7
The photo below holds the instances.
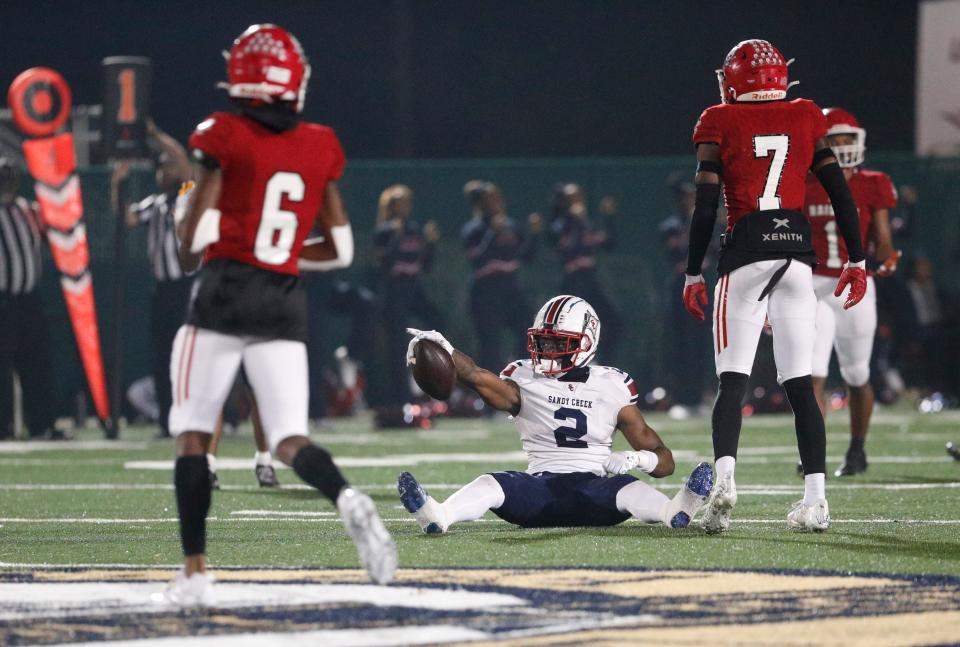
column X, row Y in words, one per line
column 762, row 147
column 264, row 178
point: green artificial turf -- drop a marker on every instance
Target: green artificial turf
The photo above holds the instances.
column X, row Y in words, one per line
column 915, row 485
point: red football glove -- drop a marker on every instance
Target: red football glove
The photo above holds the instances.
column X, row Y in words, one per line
column 889, row 266
column 695, row 295
column 854, row 275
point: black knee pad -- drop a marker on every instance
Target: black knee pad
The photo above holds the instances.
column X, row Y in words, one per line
column 799, row 388
column 733, row 384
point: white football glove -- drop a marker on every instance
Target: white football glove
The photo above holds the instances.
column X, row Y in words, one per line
column 430, row 335
column 623, row 462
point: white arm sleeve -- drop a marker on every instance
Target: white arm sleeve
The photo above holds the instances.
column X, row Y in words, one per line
column 342, row 236
column 207, row 231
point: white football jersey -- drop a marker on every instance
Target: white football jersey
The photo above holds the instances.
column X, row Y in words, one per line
column 566, row 425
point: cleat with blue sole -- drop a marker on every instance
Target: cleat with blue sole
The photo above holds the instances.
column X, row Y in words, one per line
column 418, row 503
column 680, row 520
column 691, row 497
column 412, row 496
column 701, row 480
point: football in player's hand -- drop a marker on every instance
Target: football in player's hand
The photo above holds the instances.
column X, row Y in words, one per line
column 433, row 369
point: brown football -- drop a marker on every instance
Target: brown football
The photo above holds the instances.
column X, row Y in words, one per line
column 433, row 370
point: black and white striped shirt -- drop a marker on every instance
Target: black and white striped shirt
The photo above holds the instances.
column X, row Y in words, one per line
column 20, row 236
column 156, row 211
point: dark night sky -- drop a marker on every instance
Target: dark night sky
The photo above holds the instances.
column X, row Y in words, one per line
column 489, row 79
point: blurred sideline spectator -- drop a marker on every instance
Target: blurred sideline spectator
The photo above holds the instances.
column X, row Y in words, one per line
column 403, row 250
column 495, row 247
column 24, row 333
column 577, row 240
column 171, row 292
column 686, row 342
column 930, row 353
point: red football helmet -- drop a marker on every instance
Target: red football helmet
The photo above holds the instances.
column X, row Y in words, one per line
column 754, row 70
column 841, row 122
column 267, row 63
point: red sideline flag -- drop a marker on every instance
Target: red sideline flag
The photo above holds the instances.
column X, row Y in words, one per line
column 40, row 102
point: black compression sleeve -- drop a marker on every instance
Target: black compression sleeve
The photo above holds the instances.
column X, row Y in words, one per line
column 701, row 227
column 844, row 209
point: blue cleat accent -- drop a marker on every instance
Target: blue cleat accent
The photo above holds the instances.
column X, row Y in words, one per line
column 700, row 481
column 680, row 520
column 412, row 496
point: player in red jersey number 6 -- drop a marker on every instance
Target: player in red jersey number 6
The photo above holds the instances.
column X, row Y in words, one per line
column 264, row 178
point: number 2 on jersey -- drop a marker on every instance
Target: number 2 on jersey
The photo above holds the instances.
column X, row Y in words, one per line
column 278, row 227
column 763, row 145
column 570, row 436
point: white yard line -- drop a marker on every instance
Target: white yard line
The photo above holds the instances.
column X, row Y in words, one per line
column 385, row 637
column 281, row 513
column 749, row 488
column 333, row 519
column 28, row 446
column 394, row 460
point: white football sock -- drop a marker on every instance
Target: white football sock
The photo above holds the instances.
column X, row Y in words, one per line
column 643, row 502
column 473, row 500
column 814, row 488
column 212, row 463
column 262, row 458
column 725, row 465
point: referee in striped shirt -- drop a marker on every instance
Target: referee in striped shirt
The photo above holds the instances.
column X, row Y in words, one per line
column 24, row 333
column 171, row 292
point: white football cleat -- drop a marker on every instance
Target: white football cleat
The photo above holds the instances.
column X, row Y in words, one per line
column 815, row 518
column 194, row 591
column 424, row 508
column 716, row 516
column 378, row 553
column 685, row 504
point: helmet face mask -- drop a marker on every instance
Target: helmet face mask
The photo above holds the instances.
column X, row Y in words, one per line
column 554, row 352
column 564, row 336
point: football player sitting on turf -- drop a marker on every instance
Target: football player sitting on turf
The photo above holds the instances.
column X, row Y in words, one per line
column 566, row 413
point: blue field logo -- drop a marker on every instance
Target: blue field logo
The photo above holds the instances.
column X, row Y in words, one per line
column 450, row 606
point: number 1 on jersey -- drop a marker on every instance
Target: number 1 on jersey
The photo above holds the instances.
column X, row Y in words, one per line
column 278, row 227
column 833, row 247
column 762, row 147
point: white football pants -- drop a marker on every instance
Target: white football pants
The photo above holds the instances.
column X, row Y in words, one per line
column 204, row 364
column 739, row 317
column 849, row 331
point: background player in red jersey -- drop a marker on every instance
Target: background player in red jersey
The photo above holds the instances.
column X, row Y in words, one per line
column 265, row 176
column 763, row 147
column 849, row 331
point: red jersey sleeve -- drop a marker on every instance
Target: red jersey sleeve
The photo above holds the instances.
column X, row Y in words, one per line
column 212, row 138
column 708, row 129
column 884, row 193
column 339, row 159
